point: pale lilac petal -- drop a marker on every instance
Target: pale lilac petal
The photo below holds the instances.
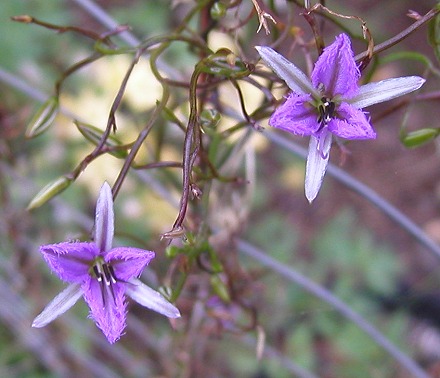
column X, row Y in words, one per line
column 104, row 219
column 295, row 79
column 107, row 307
column 374, row 93
column 59, row 305
column 295, row 115
column 151, row 299
column 317, row 160
column 351, row 123
column 336, row 69
column 128, row 262
column 70, row 261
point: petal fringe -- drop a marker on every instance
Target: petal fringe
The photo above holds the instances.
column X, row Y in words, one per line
column 107, row 307
column 70, row 261
column 351, row 123
column 336, row 69
column 295, row 116
column 128, row 262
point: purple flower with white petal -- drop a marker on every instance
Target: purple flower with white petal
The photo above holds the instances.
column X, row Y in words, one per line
column 330, row 103
column 102, row 274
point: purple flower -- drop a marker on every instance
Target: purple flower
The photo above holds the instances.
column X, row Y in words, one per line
column 330, row 103
column 102, row 274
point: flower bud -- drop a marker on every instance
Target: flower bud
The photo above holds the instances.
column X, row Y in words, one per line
column 419, row 137
column 218, row 10
column 210, row 118
column 43, row 118
column 49, row 191
column 225, row 63
column 94, row 135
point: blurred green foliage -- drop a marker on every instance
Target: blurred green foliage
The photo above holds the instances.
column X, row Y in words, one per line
column 345, row 258
column 24, row 45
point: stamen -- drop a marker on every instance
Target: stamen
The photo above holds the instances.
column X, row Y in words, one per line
column 326, row 112
column 97, row 272
column 101, row 283
column 112, row 274
column 105, row 275
column 113, row 293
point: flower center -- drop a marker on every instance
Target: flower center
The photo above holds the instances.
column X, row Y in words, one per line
column 105, row 275
column 326, row 112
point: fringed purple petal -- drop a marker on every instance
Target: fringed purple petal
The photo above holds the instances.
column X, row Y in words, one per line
column 128, row 262
column 351, row 123
column 336, row 69
column 317, row 160
column 70, row 261
column 107, row 307
column 295, row 116
column 104, row 219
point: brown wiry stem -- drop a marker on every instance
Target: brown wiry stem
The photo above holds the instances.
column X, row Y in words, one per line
column 101, row 147
column 365, row 31
column 138, row 143
column 159, row 164
column 402, row 35
column 73, row 69
column 263, row 16
column 105, row 37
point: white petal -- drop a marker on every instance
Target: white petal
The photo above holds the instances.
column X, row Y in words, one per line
column 292, row 75
column 104, row 219
column 317, row 164
column 150, row 298
column 59, row 305
column 385, row 90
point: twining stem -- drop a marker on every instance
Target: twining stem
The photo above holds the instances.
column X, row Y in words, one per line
column 319, row 41
column 111, row 124
column 402, row 35
column 138, row 143
column 191, row 147
column 105, row 37
column 73, row 69
column 161, row 106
